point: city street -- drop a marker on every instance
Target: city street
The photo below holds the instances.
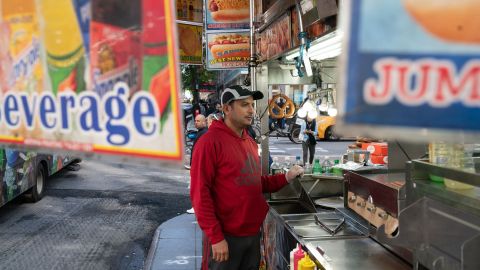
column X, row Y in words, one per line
column 104, row 215
column 282, row 146
column 100, row 217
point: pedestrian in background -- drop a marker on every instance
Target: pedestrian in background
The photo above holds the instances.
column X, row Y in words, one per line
column 210, row 108
column 212, row 117
column 227, row 186
column 218, row 108
column 201, row 125
column 308, row 135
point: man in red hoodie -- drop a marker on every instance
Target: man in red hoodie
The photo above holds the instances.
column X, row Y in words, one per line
column 227, row 186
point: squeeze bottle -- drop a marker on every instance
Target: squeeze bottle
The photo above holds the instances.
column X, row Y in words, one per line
column 306, row 264
column 297, row 256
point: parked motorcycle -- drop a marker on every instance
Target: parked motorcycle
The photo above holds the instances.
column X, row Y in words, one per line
column 283, row 118
column 290, row 128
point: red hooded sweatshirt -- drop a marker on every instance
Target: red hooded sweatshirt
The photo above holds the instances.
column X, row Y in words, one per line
column 227, row 185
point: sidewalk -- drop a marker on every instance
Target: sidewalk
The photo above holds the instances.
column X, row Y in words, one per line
column 176, row 245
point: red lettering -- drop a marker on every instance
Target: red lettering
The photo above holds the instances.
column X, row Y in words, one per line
column 437, row 83
column 454, row 90
column 380, row 91
column 413, row 96
column 386, row 77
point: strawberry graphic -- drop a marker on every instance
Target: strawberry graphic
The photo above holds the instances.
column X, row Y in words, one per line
column 160, row 89
column 70, row 83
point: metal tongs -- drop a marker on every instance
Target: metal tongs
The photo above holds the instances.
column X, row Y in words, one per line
column 332, row 232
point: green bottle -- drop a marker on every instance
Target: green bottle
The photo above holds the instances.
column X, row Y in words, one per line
column 335, row 170
column 317, row 169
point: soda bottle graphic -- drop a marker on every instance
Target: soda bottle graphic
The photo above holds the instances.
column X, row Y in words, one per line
column 115, row 44
column 64, row 46
column 20, row 47
column 156, row 77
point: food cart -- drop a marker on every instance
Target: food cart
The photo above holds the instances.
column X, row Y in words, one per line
column 277, row 72
column 377, row 218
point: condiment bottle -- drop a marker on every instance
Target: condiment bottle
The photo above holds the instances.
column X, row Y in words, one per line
column 306, row 264
column 297, row 256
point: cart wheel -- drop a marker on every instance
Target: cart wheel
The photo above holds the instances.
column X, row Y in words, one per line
column 37, row 191
column 330, row 134
column 294, row 134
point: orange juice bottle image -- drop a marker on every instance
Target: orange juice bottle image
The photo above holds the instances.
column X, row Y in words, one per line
column 64, row 45
column 20, row 47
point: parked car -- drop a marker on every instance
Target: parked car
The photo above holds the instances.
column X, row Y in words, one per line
column 326, row 127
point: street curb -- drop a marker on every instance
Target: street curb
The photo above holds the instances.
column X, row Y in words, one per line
column 153, row 248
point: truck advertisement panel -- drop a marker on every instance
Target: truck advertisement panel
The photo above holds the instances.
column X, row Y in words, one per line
column 97, row 77
column 412, row 65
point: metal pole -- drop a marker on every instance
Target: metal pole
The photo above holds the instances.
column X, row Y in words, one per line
column 299, row 13
column 253, row 60
column 303, row 39
column 261, row 104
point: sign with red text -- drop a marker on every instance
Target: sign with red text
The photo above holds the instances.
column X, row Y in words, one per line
column 412, row 64
column 91, row 77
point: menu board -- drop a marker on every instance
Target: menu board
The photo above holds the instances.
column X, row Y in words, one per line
column 227, row 14
column 258, row 46
column 190, row 43
column 190, row 10
column 262, row 46
column 412, row 65
column 295, row 28
column 228, row 50
column 278, row 36
column 315, row 30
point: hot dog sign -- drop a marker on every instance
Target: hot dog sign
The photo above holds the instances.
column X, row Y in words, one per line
column 228, row 50
column 227, row 14
column 412, row 64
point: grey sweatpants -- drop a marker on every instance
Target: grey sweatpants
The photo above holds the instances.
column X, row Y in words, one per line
column 243, row 252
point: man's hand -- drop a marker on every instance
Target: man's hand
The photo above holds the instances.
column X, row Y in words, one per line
column 220, row 251
column 294, row 172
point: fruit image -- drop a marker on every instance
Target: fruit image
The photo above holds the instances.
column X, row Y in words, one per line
column 69, row 83
column 456, row 21
column 160, row 89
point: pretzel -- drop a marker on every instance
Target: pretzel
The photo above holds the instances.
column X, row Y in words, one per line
column 287, row 110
